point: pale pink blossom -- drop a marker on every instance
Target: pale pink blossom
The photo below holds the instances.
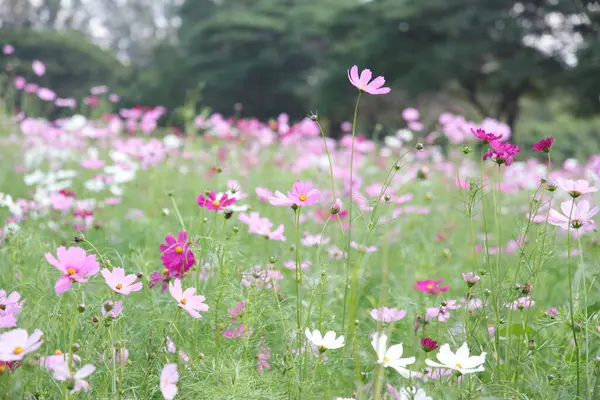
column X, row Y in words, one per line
column 187, row 299
column 119, row 282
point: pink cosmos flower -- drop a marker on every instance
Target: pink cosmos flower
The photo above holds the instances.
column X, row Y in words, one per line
column 484, row 136
column 120, row 283
column 92, row 164
column 38, row 67
column 302, row 194
column 20, row 82
column 187, row 299
column 364, row 83
column 112, row 309
column 62, row 373
column 552, row 312
column 544, row 145
column 336, row 207
column 65, row 102
column 211, row 202
column 46, row 94
column 470, row 278
column 502, row 153
column 262, row 226
column 263, row 193
column 521, row 303
column 177, row 257
column 10, row 306
column 168, row 381
column 75, row 265
column 15, row 344
column 387, row 315
column 431, row 286
column 292, row 264
column 263, row 356
column 415, row 126
column 8, row 49
column 440, row 313
column 580, row 215
column 58, row 358
column 575, row 188
column 234, row 312
column 410, row 114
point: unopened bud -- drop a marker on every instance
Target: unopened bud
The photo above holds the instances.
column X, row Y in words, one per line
column 94, row 319
column 397, row 167
column 228, row 214
column 551, row 187
column 387, row 197
column 140, row 275
column 543, row 180
column 81, row 307
column 79, row 238
column 201, row 356
column 466, row 150
column 272, row 260
column 235, row 229
column 419, row 146
column 75, row 347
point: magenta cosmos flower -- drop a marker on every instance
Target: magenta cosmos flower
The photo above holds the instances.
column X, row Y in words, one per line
column 168, row 381
column 431, row 286
column 211, row 202
column 575, row 188
column 187, row 299
column 362, row 81
column 15, row 344
column 428, row 344
column 119, row 282
column 485, row 137
column 387, row 315
column 544, row 145
column 502, row 153
column 302, row 194
column 177, row 257
column 75, row 265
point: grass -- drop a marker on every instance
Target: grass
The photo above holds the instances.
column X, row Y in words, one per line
column 529, row 357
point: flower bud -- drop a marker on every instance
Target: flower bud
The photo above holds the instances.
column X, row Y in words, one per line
column 272, row 260
column 543, row 180
column 75, row 347
column 201, row 356
column 94, row 319
column 81, row 307
column 108, row 305
column 79, row 238
column 466, row 150
column 551, row 187
column 228, row 214
column 235, row 229
column 419, row 146
column 140, row 275
column 336, row 206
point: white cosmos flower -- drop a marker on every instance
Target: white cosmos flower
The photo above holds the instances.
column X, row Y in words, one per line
column 459, row 361
column 391, row 357
column 327, row 342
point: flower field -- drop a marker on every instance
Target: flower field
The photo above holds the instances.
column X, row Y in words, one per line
column 256, row 259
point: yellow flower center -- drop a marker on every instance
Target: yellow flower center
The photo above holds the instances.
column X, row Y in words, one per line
column 178, row 249
column 302, row 197
column 58, row 352
column 71, row 271
column 458, row 365
column 183, row 301
column 430, row 286
column 18, row 350
column 2, row 368
column 386, row 359
column 216, row 203
column 119, row 286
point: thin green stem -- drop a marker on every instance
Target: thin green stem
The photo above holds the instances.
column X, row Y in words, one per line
column 573, row 327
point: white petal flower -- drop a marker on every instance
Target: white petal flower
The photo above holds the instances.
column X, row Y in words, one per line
column 460, row 361
column 327, row 342
column 391, row 357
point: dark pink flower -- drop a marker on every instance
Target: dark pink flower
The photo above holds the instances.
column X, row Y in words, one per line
column 428, row 344
column 502, row 153
column 544, row 145
column 211, row 202
column 431, row 286
column 484, row 136
column 177, row 257
column 364, row 83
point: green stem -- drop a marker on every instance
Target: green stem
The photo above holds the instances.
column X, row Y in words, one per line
column 585, row 317
column 348, row 248
column 573, row 328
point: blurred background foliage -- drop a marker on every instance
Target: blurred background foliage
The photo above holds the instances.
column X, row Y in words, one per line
column 533, row 64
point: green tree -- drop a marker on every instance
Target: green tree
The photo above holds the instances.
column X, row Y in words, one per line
column 486, row 52
column 73, row 64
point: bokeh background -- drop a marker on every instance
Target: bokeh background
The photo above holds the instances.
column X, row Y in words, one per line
column 534, row 65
